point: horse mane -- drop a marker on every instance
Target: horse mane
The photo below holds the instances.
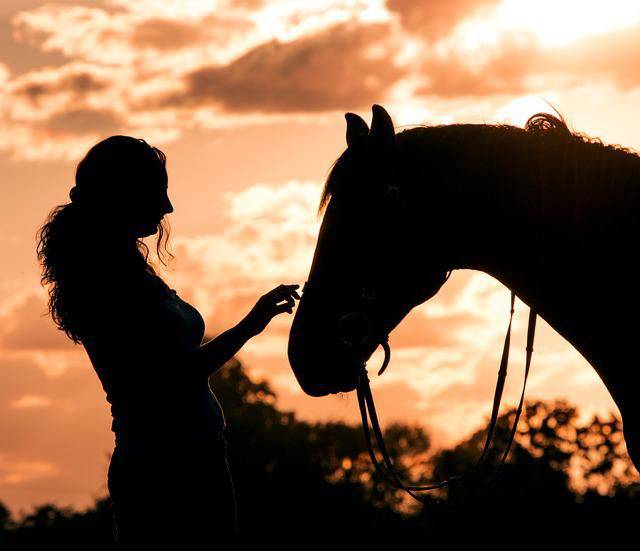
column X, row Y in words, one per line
column 545, row 139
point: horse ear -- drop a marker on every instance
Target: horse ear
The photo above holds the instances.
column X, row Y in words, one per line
column 382, row 130
column 357, row 129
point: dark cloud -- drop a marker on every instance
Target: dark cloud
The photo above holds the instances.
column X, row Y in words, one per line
column 82, row 121
column 78, row 83
column 334, row 69
column 434, row 19
column 169, row 34
column 166, row 34
column 21, row 57
column 505, row 73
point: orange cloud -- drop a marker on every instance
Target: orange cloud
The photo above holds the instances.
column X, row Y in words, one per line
column 14, row 473
column 518, row 65
column 162, row 72
column 437, row 331
column 333, row 69
column 30, row 401
column 27, row 326
column 82, row 122
column 167, row 35
column 436, row 18
column 77, row 80
column 54, row 109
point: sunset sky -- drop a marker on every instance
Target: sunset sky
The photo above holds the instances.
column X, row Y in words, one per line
column 247, row 99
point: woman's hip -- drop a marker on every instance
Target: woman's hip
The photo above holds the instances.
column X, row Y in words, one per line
column 165, row 488
column 143, row 463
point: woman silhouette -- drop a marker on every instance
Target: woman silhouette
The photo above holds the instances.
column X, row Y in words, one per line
column 168, row 477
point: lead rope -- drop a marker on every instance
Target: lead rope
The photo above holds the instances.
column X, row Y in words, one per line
column 368, row 412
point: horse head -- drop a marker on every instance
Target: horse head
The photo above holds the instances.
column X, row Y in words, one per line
column 366, row 275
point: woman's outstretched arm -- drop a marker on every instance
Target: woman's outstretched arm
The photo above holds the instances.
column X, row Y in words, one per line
column 212, row 355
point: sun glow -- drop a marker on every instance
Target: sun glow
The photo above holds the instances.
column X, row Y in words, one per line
column 519, row 110
column 559, row 23
column 550, row 23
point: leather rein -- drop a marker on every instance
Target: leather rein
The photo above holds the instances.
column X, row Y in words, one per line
column 373, row 433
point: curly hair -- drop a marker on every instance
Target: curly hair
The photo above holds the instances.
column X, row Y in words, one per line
column 79, row 239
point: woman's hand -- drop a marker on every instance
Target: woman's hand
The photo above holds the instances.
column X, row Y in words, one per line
column 278, row 300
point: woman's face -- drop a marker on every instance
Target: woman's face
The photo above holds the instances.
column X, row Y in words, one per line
column 149, row 207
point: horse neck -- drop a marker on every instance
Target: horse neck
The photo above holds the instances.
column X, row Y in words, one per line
column 484, row 226
column 560, row 237
column 543, row 225
column 560, row 231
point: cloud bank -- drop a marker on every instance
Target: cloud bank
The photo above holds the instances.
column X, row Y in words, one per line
column 162, row 69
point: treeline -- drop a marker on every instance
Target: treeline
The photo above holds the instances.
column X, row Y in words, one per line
column 308, row 482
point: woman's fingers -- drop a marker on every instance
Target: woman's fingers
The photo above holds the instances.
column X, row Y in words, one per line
column 283, row 297
column 286, row 307
column 272, row 302
column 282, row 292
column 279, row 290
column 288, row 302
column 280, row 299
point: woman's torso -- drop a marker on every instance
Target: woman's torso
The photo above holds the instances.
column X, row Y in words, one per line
column 140, row 358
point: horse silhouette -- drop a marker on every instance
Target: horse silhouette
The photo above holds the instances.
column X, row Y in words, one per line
column 549, row 213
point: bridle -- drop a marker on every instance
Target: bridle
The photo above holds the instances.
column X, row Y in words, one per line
column 370, row 422
column 369, row 416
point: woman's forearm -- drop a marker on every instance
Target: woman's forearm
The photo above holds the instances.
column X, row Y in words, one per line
column 212, row 355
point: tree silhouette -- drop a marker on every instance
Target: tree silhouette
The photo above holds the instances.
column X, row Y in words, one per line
column 297, row 481
column 560, row 473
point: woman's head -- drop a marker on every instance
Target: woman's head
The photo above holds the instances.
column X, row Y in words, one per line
column 119, row 198
column 123, row 179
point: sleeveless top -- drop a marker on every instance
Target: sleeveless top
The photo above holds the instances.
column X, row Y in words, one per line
column 139, row 355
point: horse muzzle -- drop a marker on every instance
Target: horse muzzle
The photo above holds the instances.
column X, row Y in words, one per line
column 322, row 367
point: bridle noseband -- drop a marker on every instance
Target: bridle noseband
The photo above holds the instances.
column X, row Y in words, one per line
column 366, row 299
